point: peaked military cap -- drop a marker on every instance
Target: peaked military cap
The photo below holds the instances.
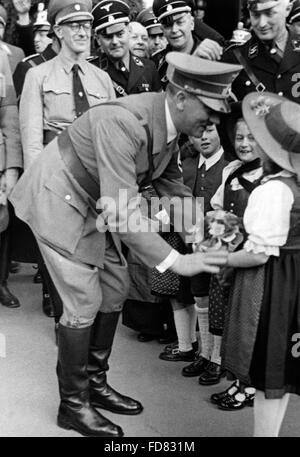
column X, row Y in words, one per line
column 109, row 14
column 3, row 15
column 148, row 19
column 260, row 5
column 209, row 80
column 41, row 21
column 165, row 8
column 295, row 13
column 60, row 11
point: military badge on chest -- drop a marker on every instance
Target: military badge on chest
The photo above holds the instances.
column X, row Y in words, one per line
column 296, row 45
column 145, row 87
column 253, row 51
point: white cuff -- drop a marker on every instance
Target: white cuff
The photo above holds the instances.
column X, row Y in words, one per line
column 251, row 246
column 168, row 262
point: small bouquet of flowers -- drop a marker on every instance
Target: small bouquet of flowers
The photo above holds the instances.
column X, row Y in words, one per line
column 222, row 230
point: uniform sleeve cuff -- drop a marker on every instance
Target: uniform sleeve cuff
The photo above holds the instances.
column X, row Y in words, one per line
column 168, row 262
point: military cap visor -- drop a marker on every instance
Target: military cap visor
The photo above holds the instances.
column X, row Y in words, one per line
column 154, row 30
column 165, row 8
column 261, row 5
column 208, row 80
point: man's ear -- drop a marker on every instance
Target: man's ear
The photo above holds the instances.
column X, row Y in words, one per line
column 192, row 23
column 180, row 100
column 58, row 31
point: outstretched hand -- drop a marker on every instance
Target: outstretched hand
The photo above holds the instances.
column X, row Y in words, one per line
column 198, row 262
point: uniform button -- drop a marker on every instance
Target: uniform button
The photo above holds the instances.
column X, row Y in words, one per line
column 231, row 204
column 80, row 94
column 201, row 188
column 231, row 210
column 280, row 94
column 279, row 76
column 248, row 83
column 123, row 69
column 273, row 51
column 203, row 176
column 68, row 197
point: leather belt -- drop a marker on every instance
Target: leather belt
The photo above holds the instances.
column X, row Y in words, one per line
column 75, row 166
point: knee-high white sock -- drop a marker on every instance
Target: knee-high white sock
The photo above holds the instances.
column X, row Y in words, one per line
column 268, row 414
column 193, row 320
column 183, row 326
column 215, row 355
column 205, row 337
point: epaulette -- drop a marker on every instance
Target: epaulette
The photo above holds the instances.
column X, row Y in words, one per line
column 30, row 57
column 92, row 59
column 138, row 61
column 156, row 53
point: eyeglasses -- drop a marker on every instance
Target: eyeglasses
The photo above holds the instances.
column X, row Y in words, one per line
column 76, row 26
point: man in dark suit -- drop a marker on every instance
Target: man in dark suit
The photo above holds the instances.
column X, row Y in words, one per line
column 113, row 150
column 271, row 58
column 130, row 74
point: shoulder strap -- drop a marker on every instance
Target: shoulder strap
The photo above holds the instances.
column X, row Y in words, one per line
column 259, row 86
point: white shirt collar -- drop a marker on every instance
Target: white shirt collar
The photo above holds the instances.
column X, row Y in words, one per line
column 211, row 161
column 282, row 173
column 171, row 129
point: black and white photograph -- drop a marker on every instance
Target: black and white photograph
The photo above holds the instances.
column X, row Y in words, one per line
column 150, row 222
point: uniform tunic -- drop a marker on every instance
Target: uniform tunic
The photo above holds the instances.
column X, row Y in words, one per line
column 142, row 75
column 47, row 102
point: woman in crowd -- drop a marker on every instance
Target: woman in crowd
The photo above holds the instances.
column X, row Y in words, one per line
column 264, row 320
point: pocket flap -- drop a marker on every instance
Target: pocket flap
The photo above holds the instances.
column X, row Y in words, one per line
column 60, row 186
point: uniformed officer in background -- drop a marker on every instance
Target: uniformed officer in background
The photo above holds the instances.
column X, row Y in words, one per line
column 157, row 40
column 271, row 58
column 42, row 26
column 11, row 164
column 14, row 53
column 138, row 40
column 183, row 34
column 56, row 92
column 130, row 74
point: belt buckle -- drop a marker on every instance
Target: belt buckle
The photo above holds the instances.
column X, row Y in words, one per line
column 260, row 88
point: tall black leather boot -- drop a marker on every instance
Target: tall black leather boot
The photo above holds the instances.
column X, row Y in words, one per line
column 75, row 411
column 6, row 297
column 101, row 394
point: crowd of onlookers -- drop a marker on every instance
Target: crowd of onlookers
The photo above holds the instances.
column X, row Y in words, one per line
column 189, row 316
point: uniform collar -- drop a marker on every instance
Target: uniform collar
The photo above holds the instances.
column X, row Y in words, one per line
column 171, row 129
column 68, row 63
column 211, row 161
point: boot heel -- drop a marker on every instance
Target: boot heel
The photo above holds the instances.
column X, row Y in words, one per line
column 63, row 423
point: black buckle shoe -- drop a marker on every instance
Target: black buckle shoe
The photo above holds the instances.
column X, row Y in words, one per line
column 212, row 375
column 196, row 368
column 217, row 398
column 178, row 356
column 7, row 298
column 144, row 337
column 231, row 403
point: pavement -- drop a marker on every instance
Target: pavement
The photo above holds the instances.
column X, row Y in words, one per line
column 174, row 406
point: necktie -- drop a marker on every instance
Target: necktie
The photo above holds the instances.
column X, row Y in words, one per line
column 202, row 170
column 80, row 98
column 123, row 69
